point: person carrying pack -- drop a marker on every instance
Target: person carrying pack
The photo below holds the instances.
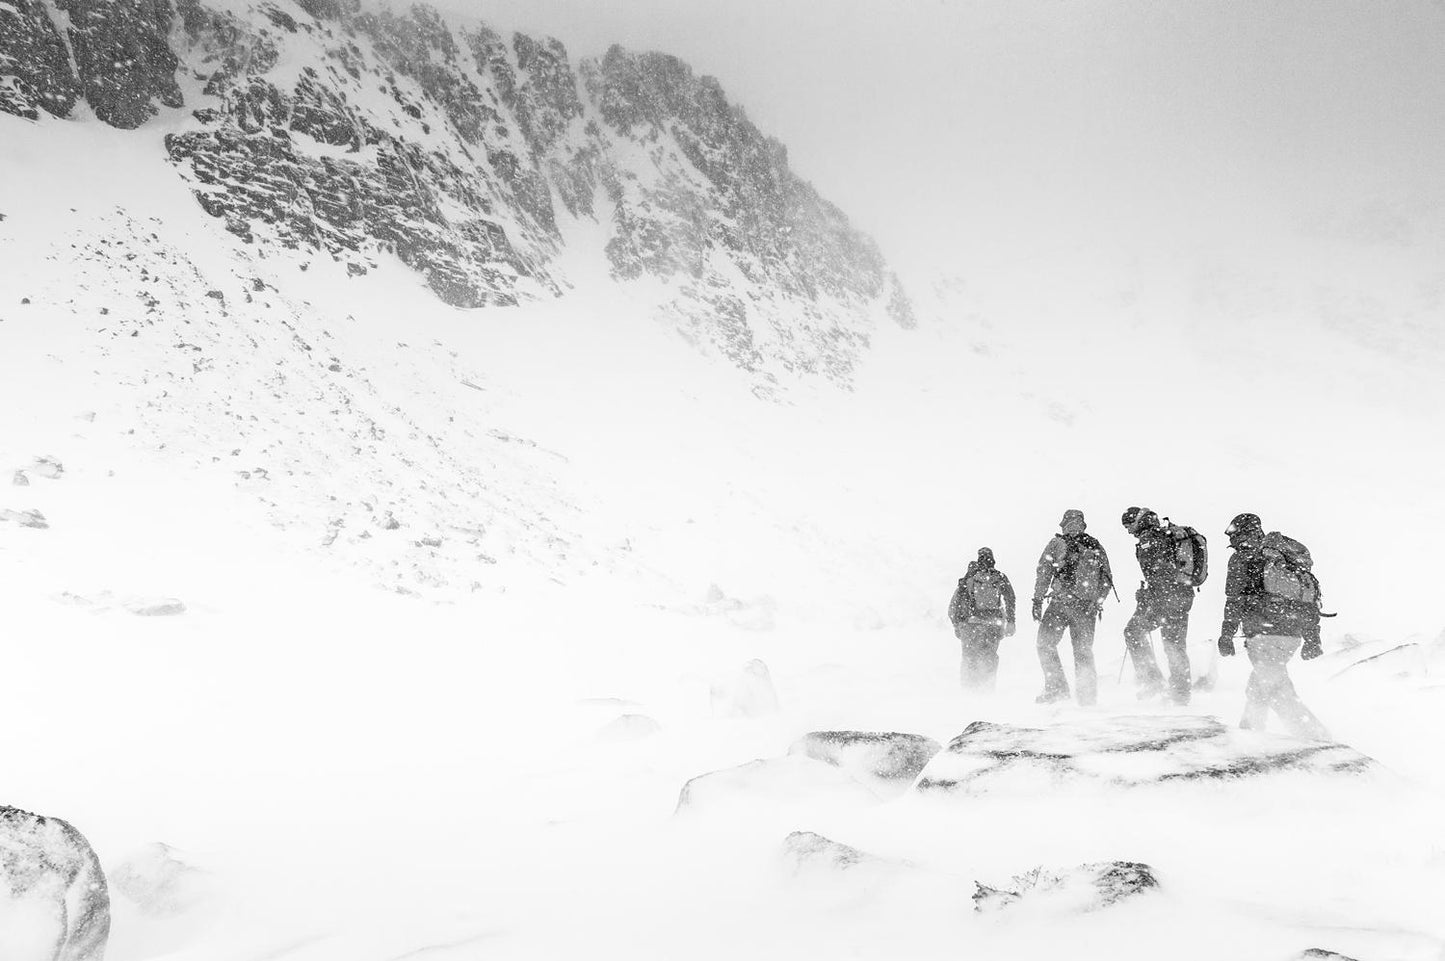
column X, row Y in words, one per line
column 1074, row 577
column 1272, row 592
column 1175, row 562
column 982, row 613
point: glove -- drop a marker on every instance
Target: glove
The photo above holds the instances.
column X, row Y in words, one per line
column 1226, row 647
column 1008, row 629
column 1038, row 608
column 1311, row 650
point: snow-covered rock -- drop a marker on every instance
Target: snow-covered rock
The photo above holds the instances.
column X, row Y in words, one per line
column 1401, row 661
column 806, row 851
column 773, row 781
column 1087, row 887
column 54, row 905
column 749, row 693
column 365, row 132
column 1122, row 752
column 870, row 755
column 628, row 727
column 28, row 518
column 47, row 467
column 158, row 881
column 156, row 607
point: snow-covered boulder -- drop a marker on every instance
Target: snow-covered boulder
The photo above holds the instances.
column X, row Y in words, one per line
column 749, row 693
column 1087, row 887
column 805, row 852
column 1398, row 662
column 47, row 467
column 30, row 518
column 54, row 905
column 773, row 782
column 1121, row 752
column 155, row 607
column 868, row 755
column 628, row 727
column 158, row 881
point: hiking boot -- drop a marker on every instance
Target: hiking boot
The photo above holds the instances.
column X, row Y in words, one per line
column 1052, row 697
column 1149, row 690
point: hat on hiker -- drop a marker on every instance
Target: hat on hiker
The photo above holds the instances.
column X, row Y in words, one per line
column 1135, row 518
column 985, row 557
column 1073, row 519
column 1244, row 523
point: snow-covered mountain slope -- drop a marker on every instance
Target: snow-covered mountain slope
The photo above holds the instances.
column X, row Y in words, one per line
column 368, row 134
column 608, row 568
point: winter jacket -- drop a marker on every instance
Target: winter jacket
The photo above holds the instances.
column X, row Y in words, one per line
column 1158, row 553
column 961, row 608
column 1246, row 603
column 1050, row 580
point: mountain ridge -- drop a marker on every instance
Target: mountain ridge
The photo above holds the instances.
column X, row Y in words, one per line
column 362, row 131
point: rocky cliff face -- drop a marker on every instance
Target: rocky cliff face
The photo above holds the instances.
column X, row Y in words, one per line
column 369, row 132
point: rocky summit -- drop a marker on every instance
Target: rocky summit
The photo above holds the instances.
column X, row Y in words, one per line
column 363, row 132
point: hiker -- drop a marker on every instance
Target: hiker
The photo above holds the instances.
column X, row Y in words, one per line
column 1274, row 595
column 1174, row 562
column 982, row 613
column 1073, row 575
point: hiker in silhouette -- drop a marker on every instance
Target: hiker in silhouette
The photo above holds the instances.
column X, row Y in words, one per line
column 1173, row 560
column 1074, row 577
column 1271, row 591
column 982, row 613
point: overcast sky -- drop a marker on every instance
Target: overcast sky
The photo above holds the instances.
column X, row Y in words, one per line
column 954, row 129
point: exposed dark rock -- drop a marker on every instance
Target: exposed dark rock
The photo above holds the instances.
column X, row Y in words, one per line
column 1122, row 751
column 465, row 167
column 35, row 69
column 54, row 882
column 1321, row 954
column 123, row 53
column 888, row 756
column 1087, row 887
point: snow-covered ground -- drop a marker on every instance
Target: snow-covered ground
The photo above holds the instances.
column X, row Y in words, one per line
column 376, row 742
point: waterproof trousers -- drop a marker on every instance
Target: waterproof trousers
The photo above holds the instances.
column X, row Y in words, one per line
column 980, row 641
column 1078, row 618
column 1270, row 689
column 1168, row 613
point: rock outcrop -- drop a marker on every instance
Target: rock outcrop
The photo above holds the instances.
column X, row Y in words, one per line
column 54, row 905
column 885, row 756
column 1088, row 887
column 1122, row 752
column 364, row 133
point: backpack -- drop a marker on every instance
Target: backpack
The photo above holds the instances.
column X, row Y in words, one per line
column 982, row 594
column 1287, row 570
column 1191, row 553
column 1085, row 571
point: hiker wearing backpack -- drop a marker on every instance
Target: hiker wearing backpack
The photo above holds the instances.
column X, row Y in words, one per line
column 1174, row 561
column 982, row 613
column 1271, row 591
column 1074, row 577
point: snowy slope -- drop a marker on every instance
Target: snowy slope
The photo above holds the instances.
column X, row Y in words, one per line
column 376, row 741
